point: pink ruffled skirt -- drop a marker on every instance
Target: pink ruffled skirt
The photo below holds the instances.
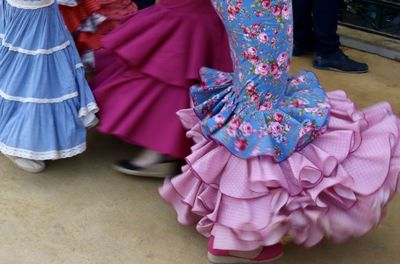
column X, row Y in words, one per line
column 336, row 187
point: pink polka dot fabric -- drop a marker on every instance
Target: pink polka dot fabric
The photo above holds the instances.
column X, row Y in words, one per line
column 336, row 187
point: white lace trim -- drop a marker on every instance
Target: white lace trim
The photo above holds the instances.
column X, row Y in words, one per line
column 38, row 100
column 87, row 115
column 34, row 52
column 90, row 108
column 48, row 155
column 30, row 4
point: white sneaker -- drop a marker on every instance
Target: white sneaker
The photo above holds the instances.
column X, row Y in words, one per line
column 28, row 165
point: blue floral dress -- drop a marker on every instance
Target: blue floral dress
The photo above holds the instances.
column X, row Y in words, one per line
column 259, row 110
column 45, row 101
column 266, row 162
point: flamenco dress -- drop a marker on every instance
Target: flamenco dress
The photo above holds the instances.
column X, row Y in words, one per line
column 146, row 67
column 82, row 20
column 89, row 20
column 45, row 101
column 114, row 11
column 275, row 155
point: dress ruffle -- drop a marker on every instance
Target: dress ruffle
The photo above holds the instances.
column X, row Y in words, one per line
column 89, row 20
column 47, row 128
column 27, row 35
column 114, row 11
column 277, row 128
column 45, row 101
column 29, row 131
column 179, row 50
column 77, row 15
column 336, row 187
column 142, row 80
column 128, row 98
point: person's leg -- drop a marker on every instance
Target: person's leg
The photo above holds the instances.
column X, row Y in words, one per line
column 325, row 21
column 303, row 27
column 328, row 54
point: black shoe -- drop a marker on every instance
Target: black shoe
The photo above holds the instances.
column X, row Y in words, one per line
column 157, row 170
column 338, row 61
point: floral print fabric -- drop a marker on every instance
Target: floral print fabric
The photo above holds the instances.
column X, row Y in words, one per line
column 259, row 109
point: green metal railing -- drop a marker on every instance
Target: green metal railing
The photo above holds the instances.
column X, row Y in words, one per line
column 376, row 16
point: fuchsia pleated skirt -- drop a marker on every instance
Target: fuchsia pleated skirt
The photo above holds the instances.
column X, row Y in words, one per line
column 147, row 66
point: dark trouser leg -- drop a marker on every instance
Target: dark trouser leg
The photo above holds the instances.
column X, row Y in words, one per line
column 303, row 24
column 325, row 18
column 145, row 3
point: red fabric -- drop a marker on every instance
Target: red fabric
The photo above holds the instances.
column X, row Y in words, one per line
column 74, row 16
column 113, row 10
column 87, row 40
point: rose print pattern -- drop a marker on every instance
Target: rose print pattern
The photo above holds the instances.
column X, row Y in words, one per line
column 259, row 109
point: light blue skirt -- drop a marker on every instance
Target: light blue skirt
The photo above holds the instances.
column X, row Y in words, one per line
column 45, row 101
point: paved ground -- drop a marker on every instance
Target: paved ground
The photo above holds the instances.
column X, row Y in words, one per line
column 80, row 211
column 369, row 42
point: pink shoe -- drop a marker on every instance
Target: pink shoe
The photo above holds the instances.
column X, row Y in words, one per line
column 266, row 254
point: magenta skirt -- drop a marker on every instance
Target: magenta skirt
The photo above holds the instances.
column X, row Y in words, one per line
column 147, row 66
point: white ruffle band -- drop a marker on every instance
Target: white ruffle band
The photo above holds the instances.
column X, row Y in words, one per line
column 38, row 100
column 87, row 114
column 48, row 155
column 34, row 52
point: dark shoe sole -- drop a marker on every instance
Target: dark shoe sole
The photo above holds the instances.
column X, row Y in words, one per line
column 338, row 70
column 160, row 170
column 236, row 260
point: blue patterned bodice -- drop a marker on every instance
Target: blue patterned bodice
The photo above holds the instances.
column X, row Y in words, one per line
column 261, row 44
column 259, row 109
